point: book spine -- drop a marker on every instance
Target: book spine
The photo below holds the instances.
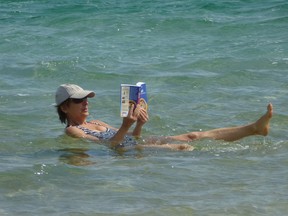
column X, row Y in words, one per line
column 124, row 100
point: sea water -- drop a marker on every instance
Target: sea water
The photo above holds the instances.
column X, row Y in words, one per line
column 207, row 64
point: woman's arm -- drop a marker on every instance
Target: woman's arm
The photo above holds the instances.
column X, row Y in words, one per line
column 126, row 124
column 142, row 119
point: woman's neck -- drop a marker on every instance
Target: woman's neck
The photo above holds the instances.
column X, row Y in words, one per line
column 74, row 122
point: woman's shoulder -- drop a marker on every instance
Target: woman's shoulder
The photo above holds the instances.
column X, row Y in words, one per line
column 74, row 131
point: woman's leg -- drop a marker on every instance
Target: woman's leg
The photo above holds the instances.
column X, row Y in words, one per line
column 260, row 127
column 171, row 146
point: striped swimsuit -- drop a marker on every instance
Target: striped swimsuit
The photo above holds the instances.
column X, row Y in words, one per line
column 108, row 134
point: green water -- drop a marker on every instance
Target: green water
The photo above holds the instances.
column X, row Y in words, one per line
column 207, row 65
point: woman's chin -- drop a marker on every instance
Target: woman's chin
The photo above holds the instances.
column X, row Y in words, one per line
column 85, row 113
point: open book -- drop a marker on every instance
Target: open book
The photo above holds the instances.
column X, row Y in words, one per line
column 132, row 94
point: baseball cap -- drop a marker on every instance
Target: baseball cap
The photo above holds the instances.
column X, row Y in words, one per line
column 66, row 91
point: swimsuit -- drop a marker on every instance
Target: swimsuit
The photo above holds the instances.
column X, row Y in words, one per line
column 107, row 135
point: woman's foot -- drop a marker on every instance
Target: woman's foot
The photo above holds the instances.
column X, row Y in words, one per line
column 262, row 124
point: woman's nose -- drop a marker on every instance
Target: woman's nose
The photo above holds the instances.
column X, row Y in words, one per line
column 85, row 101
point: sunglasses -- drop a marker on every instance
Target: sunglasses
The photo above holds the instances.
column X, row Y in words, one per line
column 78, row 101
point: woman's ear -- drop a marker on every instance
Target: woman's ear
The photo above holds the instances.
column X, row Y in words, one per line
column 64, row 107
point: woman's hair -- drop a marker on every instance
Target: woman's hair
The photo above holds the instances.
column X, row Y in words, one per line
column 62, row 115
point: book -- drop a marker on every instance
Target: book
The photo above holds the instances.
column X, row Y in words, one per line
column 133, row 94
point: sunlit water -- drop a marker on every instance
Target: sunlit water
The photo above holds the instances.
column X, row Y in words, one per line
column 207, row 64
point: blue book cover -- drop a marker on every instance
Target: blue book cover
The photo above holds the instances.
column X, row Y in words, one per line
column 133, row 94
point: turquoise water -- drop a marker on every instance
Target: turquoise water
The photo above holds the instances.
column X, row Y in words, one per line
column 207, row 64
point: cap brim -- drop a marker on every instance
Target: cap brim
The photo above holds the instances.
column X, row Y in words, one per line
column 83, row 94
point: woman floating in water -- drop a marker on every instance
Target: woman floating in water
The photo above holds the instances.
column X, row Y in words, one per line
column 72, row 108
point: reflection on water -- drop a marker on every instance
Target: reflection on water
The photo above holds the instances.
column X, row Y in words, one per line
column 76, row 157
column 82, row 157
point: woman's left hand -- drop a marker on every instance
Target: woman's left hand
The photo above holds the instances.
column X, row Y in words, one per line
column 143, row 116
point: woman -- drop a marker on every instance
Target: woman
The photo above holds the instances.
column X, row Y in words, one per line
column 72, row 108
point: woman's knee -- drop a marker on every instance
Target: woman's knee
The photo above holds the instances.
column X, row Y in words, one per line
column 192, row 136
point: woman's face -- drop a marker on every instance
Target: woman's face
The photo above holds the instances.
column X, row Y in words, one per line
column 76, row 108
